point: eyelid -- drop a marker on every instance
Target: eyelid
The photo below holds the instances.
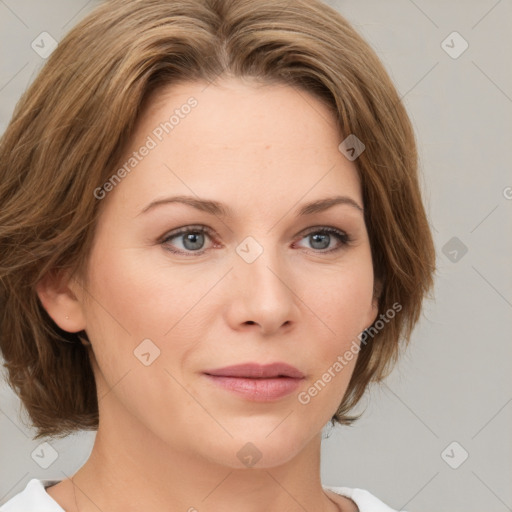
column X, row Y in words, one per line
column 321, row 227
column 183, row 230
column 186, row 229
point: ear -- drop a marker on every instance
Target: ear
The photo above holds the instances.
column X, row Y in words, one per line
column 60, row 302
column 377, row 291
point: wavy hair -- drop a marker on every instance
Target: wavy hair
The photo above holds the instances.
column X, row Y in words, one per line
column 69, row 128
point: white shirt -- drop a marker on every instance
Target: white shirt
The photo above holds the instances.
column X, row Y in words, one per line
column 34, row 498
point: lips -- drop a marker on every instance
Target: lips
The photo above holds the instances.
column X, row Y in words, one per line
column 256, row 382
column 257, row 371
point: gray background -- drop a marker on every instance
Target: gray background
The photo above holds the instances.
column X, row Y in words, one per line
column 454, row 383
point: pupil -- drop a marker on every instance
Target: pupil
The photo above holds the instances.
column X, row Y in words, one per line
column 318, row 237
column 196, row 239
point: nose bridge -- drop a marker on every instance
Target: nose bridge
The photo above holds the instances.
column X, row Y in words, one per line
column 264, row 286
column 258, row 263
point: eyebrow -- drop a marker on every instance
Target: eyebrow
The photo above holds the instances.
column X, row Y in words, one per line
column 222, row 210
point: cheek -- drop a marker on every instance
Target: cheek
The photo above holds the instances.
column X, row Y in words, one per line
column 341, row 299
column 141, row 297
column 342, row 304
column 138, row 299
column 131, row 303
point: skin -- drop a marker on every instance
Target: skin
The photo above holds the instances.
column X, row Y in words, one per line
column 166, row 434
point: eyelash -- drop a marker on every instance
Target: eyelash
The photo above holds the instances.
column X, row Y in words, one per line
column 344, row 239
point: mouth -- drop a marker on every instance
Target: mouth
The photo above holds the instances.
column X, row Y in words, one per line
column 257, row 371
column 259, row 383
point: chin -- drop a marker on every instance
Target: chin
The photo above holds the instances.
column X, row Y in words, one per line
column 256, row 449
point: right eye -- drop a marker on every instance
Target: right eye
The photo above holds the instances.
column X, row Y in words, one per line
column 191, row 239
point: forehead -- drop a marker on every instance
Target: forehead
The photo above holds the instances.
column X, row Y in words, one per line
column 239, row 138
column 235, row 110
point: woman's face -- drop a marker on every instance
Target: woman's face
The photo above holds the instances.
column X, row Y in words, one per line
column 174, row 290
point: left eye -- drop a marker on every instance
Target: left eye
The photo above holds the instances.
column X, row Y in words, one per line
column 321, row 238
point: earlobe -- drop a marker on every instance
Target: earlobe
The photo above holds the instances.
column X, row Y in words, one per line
column 60, row 302
column 377, row 291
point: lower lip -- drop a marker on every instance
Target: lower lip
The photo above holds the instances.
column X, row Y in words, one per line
column 258, row 390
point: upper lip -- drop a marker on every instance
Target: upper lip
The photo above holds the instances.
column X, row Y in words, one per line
column 255, row 370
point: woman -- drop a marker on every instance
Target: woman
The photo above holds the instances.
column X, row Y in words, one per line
column 212, row 241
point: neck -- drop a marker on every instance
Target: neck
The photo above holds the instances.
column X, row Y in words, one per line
column 145, row 477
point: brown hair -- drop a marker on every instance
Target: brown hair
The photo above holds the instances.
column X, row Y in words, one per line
column 70, row 127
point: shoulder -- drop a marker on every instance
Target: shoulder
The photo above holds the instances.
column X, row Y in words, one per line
column 33, row 498
column 365, row 501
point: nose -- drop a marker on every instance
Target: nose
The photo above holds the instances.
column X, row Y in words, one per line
column 262, row 295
